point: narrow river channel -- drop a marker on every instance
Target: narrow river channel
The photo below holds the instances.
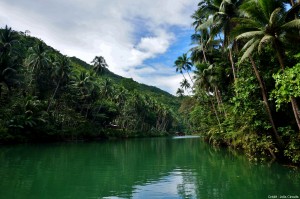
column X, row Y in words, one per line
column 139, row 168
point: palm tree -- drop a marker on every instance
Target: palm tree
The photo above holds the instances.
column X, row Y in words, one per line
column 120, row 96
column 39, row 63
column 218, row 15
column 107, row 88
column 83, row 83
column 7, row 38
column 38, row 57
column 7, row 60
column 60, row 74
column 180, row 92
column 185, row 84
column 99, row 64
column 204, row 49
column 265, row 99
column 183, row 63
column 206, row 80
column 265, row 24
column 198, row 52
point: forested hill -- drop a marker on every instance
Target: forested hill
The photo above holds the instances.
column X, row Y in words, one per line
column 160, row 95
column 47, row 96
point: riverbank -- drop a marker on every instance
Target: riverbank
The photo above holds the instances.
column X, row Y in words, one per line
column 78, row 135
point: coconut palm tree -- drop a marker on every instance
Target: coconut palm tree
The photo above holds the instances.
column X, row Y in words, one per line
column 204, row 49
column 198, row 52
column 60, row 74
column 107, row 89
column 38, row 57
column 183, row 63
column 99, row 64
column 265, row 99
column 180, row 92
column 218, row 15
column 185, row 85
column 206, row 80
column 266, row 24
column 83, row 82
column 7, row 38
column 7, row 61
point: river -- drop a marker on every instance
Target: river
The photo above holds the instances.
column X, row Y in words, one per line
column 139, row 168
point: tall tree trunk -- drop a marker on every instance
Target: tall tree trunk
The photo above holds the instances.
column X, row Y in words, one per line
column 279, row 55
column 190, row 76
column 221, row 101
column 216, row 113
column 218, row 99
column 232, row 64
column 204, row 55
column 183, row 75
column 265, row 99
column 51, row 99
column 296, row 111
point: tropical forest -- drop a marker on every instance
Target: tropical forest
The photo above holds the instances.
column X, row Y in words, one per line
column 246, row 80
column 233, row 123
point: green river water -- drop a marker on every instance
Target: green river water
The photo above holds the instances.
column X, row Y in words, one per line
column 139, row 168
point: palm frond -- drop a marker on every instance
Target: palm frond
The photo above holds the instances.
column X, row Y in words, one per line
column 8, row 70
column 264, row 40
column 250, row 34
column 248, row 44
column 249, row 51
column 275, row 16
column 292, row 24
column 206, row 25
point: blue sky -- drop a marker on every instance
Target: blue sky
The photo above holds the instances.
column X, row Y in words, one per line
column 139, row 39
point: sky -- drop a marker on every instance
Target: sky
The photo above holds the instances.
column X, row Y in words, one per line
column 139, row 39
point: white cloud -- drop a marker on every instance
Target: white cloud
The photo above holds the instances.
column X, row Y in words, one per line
column 125, row 32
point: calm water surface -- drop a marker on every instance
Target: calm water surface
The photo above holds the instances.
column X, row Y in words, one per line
column 138, row 168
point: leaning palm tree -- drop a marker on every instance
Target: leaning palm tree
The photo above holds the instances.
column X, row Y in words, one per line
column 206, row 81
column 99, row 64
column 183, row 63
column 204, row 49
column 266, row 24
column 198, row 52
column 218, row 15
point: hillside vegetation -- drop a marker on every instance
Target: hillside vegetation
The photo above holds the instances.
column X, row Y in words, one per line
column 47, row 96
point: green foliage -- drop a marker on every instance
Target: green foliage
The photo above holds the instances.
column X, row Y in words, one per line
column 287, row 85
column 235, row 74
column 292, row 150
column 47, row 96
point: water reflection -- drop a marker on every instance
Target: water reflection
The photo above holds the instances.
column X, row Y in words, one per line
column 142, row 168
column 174, row 185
